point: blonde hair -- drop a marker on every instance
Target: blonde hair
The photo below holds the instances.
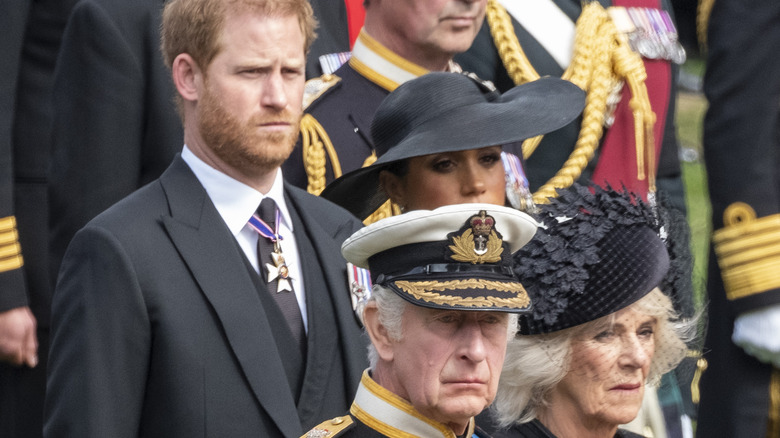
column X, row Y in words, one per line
column 194, row 26
column 535, row 364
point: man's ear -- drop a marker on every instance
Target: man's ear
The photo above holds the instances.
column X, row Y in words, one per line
column 187, row 77
column 377, row 332
column 393, row 187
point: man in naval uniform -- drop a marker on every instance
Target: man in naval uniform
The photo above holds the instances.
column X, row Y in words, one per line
column 538, row 39
column 740, row 389
column 443, row 308
column 400, row 40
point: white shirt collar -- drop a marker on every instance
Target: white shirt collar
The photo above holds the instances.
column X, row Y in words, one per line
column 234, row 200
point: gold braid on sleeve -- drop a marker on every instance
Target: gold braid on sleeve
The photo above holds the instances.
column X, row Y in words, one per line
column 599, row 65
column 10, row 249
column 315, row 142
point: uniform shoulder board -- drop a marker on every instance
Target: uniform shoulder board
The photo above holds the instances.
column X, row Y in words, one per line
column 316, row 87
column 330, row 428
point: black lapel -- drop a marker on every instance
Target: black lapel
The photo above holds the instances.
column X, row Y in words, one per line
column 322, row 336
column 209, row 250
column 328, row 251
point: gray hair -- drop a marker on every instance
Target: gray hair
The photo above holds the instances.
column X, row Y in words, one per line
column 390, row 309
column 535, row 364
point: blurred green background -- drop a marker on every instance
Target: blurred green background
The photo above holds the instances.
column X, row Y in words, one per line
column 691, row 106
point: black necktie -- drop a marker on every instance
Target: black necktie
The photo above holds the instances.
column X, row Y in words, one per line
column 272, row 266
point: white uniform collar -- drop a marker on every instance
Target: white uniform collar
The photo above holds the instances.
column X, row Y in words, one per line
column 370, row 57
column 391, row 415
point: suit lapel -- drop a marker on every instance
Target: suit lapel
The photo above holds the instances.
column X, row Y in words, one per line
column 321, row 338
column 209, row 250
column 328, row 253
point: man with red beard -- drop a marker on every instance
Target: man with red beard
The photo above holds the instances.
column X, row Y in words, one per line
column 213, row 301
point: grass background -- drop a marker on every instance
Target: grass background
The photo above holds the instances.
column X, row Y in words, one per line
column 691, row 106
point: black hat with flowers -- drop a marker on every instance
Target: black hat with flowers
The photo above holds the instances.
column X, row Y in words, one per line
column 598, row 251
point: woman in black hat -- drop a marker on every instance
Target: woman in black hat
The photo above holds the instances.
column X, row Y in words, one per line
column 601, row 328
column 439, row 138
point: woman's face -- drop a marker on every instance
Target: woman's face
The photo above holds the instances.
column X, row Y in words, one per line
column 609, row 365
column 447, row 178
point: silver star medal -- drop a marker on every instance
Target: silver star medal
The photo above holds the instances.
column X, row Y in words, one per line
column 280, row 271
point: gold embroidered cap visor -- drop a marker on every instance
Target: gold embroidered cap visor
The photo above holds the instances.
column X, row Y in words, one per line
column 454, row 257
column 447, row 112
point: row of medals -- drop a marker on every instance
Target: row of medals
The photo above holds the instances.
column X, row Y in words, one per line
column 651, row 32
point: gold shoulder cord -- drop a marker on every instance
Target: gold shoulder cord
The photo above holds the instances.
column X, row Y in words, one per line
column 314, row 142
column 773, row 423
column 602, row 60
column 387, row 209
column 703, row 10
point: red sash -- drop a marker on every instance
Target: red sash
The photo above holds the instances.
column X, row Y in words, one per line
column 617, row 159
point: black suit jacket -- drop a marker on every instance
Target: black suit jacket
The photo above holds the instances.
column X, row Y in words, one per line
column 116, row 126
column 332, row 33
column 115, row 122
column 158, row 328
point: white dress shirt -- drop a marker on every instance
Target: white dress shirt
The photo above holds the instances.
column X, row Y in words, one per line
column 236, row 202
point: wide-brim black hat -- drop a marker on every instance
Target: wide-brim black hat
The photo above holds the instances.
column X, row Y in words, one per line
column 598, row 252
column 448, row 112
column 454, row 257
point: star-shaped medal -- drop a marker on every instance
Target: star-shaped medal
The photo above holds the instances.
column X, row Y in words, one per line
column 279, row 271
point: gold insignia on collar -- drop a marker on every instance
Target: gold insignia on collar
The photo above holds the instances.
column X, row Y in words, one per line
column 479, row 243
column 330, row 428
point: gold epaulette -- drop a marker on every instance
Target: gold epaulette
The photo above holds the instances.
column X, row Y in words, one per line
column 748, row 251
column 316, row 87
column 314, row 140
column 329, row 428
column 10, row 249
column 314, row 144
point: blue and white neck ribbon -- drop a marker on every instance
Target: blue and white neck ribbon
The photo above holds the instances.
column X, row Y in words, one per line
column 264, row 229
